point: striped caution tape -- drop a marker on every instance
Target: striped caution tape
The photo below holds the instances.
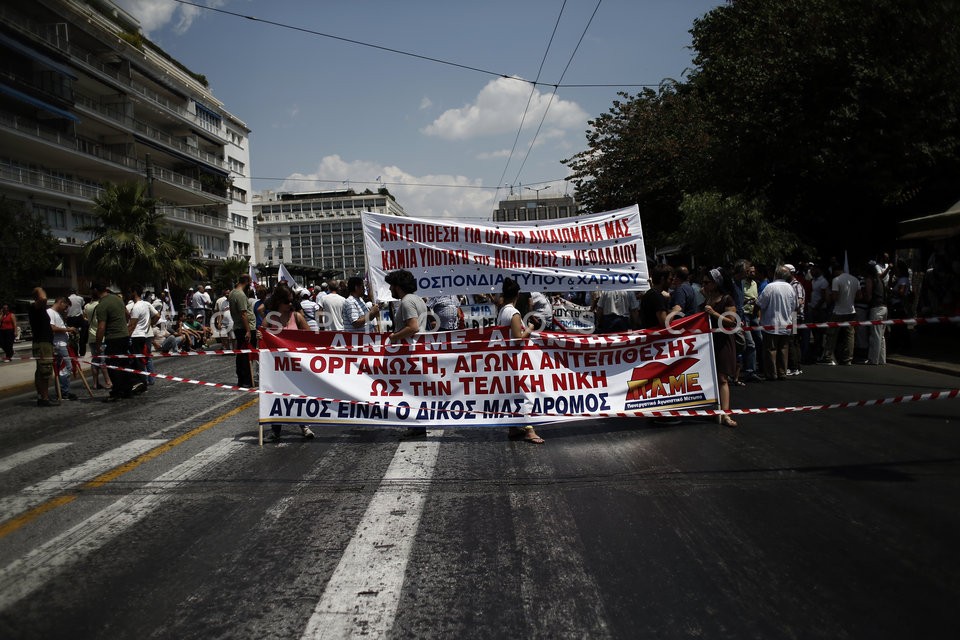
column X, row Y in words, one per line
column 947, row 394
column 621, row 338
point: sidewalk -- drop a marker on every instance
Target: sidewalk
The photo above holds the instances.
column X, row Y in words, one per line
column 932, row 348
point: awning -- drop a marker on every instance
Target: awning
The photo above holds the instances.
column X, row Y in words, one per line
column 936, row 227
column 35, row 55
column 39, row 104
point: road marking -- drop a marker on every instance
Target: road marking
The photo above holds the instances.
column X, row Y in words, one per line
column 46, row 489
column 31, row 454
column 23, row 576
column 363, row 593
column 14, row 524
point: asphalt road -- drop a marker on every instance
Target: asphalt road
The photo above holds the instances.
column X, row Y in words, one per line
column 829, row 524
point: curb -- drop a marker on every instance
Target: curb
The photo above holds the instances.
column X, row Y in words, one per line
column 925, row 365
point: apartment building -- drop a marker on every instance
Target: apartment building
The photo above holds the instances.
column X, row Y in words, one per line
column 321, row 230
column 86, row 99
column 520, row 208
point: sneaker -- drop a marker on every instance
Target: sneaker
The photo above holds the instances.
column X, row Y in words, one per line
column 306, row 432
column 829, row 363
column 139, row 387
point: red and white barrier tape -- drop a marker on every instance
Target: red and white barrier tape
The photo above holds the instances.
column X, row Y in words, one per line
column 625, row 338
column 916, row 397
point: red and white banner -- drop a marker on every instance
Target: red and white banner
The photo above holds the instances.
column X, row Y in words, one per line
column 476, row 378
column 599, row 251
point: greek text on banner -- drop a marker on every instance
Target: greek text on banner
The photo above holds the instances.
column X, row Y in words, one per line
column 599, row 251
column 482, row 377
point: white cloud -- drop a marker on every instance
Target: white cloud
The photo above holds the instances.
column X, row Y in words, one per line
column 156, row 14
column 498, row 109
column 425, row 103
column 440, row 196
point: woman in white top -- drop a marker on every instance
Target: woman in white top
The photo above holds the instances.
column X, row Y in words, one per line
column 509, row 316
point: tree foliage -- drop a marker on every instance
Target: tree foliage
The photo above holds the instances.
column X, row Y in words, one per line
column 229, row 272
column 28, row 251
column 840, row 117
column 720, row 229
column 132, row 243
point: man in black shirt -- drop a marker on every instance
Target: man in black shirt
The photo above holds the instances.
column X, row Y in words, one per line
column 654, row 305
column 42, row 346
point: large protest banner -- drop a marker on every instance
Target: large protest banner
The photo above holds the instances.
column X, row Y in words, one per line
column 599, row 251
column 475, row 378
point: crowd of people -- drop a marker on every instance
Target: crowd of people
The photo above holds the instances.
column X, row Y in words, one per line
column 756, row 309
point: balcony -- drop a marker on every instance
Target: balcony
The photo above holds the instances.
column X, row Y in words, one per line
column 73, row 144
column 196, row 219
column 141, row 127
column 90, row 62
column 44, row 182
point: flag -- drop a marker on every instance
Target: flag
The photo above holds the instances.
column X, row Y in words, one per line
column 253, row 275
column 169, row 311
column 283, row 274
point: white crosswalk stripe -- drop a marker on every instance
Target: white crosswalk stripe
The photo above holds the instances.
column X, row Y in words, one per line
column 29, row 455
column 33, row 495
column 362, row 595
column 23, row 576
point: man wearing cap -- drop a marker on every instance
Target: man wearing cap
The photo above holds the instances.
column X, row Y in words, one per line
column 111, row 318
column 197, row 301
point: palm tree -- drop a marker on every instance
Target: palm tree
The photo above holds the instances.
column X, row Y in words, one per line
column 178, row 264
column 230, row 270
column 127, row 231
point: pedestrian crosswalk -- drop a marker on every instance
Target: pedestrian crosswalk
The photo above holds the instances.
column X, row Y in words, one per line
column 29, row 455
column 13, row 505
column 26, row 574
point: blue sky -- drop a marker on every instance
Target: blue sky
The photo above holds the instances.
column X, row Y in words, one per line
column 323, row 111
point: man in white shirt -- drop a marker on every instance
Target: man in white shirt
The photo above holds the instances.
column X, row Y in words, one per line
column 76, row 320
column 333, row 308
column 197, row 302
column 844, row 292
column 817, row 308
column 778, row 308
column 358, row 314
column 61, row 337
column 142, row 318
column 309, row 309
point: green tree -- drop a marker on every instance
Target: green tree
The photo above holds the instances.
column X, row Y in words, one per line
column 126, row 232
column 229, row 272
column 178, row 265
column 835, row 111
column 720, row 229
column 28, row 251
column 132, row 243
column 647, row 150
column 838, row 117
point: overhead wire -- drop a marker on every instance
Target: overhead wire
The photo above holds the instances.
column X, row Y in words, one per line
column 554, row 94
column 533, row 91
column 407, row 53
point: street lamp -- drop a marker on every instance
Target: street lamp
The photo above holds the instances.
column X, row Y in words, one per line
column 537, row 191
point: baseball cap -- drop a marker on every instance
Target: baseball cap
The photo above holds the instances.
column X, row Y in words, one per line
column 790, row 268
column 208, row 288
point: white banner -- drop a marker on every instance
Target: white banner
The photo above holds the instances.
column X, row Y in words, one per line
column 599, row 251
column 573, row 318
column 476, row 378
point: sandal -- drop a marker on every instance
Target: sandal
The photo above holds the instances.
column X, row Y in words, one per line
column 532, row 437
column 727, row 421
column 739, row 383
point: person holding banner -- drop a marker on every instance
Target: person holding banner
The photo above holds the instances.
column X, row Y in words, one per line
column 239, row 313
column 721, row 310
column 509, row 316
column 358, row 314
column 281, row 317
column 406, row 322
